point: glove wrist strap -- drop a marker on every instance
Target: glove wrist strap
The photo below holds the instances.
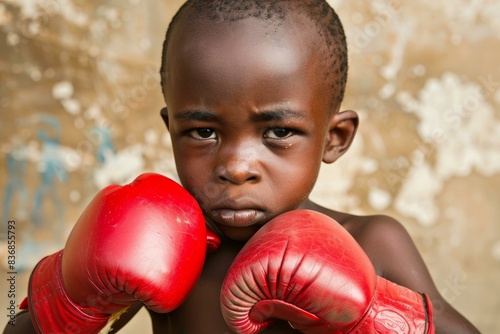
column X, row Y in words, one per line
column 396, row 309
column 51, row 309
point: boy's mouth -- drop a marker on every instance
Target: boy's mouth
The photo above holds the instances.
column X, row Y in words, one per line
column 238, row 217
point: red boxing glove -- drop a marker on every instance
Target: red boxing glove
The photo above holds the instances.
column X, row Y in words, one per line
column 303, row 267
column 145, row 241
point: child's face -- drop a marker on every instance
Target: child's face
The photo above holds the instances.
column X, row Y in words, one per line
column 249, row 120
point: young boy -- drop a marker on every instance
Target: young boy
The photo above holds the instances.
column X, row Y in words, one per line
column 253, row 90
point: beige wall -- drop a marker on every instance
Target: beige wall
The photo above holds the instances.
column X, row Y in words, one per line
column 79, row 94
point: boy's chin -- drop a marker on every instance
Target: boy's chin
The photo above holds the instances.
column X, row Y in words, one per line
column 239, row 233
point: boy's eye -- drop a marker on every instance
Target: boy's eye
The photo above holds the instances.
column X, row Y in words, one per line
column 278, row 133
column 203, row 133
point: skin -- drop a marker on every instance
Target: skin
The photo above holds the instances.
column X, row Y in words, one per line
column 251, row 122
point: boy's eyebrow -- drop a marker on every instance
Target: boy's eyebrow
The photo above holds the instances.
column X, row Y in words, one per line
column 196, row 115
column 277, row 114
column 266, row 115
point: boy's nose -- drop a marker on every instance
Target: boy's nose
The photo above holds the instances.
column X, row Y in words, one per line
column 238, row 167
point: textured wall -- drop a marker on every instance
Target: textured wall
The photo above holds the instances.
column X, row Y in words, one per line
column 79, row 102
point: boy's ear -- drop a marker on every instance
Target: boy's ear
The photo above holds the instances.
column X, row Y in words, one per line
column 164, row 115
column 341, row 130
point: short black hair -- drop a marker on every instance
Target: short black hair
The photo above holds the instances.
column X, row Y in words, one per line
column 329, row 27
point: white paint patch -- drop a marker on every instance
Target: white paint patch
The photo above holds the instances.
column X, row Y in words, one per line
column 42, row 10
column 62, row 90
column 151, row 137
column 120, row 168
column 459, row 126
column 416, row 197
column 71, row 106
column 379, row 199
column 459, row 123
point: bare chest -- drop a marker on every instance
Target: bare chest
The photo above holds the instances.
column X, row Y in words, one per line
column 201, row 312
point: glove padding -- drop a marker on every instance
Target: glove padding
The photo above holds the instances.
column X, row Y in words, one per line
column 304, row 268
column 145, row 241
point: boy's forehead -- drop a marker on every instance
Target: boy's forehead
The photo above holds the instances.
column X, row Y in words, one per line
column 233, row 57
column 284, row 43
column 242, row 63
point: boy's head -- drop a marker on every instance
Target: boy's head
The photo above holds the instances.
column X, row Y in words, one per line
column 330, row 42
column 253, row 90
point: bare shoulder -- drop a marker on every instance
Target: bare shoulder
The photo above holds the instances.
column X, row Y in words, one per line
column 388, row 245
column 384, row 239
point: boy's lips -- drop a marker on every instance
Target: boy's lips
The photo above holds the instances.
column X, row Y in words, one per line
column 238, row 217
